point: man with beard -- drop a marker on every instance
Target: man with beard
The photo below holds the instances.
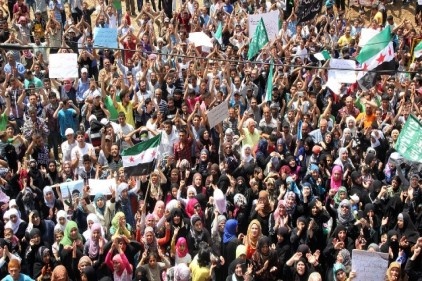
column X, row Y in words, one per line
column 110, row 154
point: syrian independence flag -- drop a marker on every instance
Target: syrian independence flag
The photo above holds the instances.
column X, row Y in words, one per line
column 377, row 56
column 139, row 159
column 417, row 52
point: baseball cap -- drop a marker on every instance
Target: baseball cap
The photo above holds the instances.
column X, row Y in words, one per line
column 84, row 70
column 96, row 94
column 69, row 131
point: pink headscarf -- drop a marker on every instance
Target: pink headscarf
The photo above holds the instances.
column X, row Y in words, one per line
column 157, row 205
column 279, row 211
column 190, row 207
column 181, row 241
column 335, row 184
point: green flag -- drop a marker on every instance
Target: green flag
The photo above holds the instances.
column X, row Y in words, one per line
column 259, row 39
column 219, row 33
column 269, row 90
column 409, row 142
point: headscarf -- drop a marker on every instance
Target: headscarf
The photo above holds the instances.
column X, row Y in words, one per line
column 41, row 252
column 120, row 188
column 158, row 204
column 179, row 252
column 393, row 265
column 280, row 212
column 230, row 231
column 115, row 224
column 190, row 207
column 15, row 226
column 94, row 246
column 196, row 235
column 181, row 272
column 191, row 188
column 336, row 184
column 151, row 246
column 49, row 203
column 246, row 158
column 90, row 273
column 347, row 260
column 336, row 268
column 67, row 240
column 84, row 260
column 342, row 189
column 59, row 273
column 290, row 207
column 220, row 202
column 376, row 135
column 61, row 214
column 99, row 196
column 344, row 219
column 250, row 241
column 409, row 230
column 263, row 194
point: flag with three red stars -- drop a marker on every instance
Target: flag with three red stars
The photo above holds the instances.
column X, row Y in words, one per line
column 376, row 58
column 139, row 159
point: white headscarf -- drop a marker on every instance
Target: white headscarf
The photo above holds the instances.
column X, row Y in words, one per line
column 61, row 214
column 15, row 226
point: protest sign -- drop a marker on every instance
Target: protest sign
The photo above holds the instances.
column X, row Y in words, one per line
column 101, row 186
column 409, row 142
column 308, row 9
column 200, row 39
column 66, row 188
column 105, row 38
column 369, row 265
column 218, row 114
column 270, row 21
column 63, row 65
column 343, row 71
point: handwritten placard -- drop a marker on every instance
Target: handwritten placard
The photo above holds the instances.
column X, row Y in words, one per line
column 101, row 186
column 342, row 70
column 218, row 114
column 67, row 188
column 270, row 22
column 63, row 65
column 369, row 265
column 105, row 38
column 409, row 142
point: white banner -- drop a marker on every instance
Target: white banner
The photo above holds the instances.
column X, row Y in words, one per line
column 218, row 114
column 343, row 71
column 270, row 22
column 200, row 39
column 369, row 265
column 101, row 186
column 63, row 65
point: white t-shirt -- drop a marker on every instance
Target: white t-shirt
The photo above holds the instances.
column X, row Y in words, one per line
column 81, row 151
column 67, row 149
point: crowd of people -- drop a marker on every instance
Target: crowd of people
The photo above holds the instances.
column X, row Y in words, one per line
column 282, row 189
